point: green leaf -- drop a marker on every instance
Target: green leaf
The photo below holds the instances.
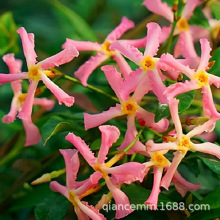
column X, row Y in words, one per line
column 53, row 207
column 198, row 18
column 80, row 25
column 215, row 69
column 212, row 164
column 8, row 34
column 215, row 6
column 162, row 111
column 185, row 100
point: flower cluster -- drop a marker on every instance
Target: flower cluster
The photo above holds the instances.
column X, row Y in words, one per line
column 154, row 70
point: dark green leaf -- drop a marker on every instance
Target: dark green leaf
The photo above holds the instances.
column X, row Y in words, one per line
column 215, row 70
column 162, row 111
column 215, row 6
column 198, row 18
column 185, row 100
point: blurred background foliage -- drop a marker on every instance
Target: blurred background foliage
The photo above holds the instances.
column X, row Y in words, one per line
column 52, row 22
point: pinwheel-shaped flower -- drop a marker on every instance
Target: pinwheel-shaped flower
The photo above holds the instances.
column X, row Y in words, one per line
column 127, row 107
column 75, row 191
column 104, row 52
column 32, row 132
column 38, row 71
column 198, row 79
column 187, row 33
column 125, row 173
column 182, row 143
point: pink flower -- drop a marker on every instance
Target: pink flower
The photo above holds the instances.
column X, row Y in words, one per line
column 198, row 79
column 127, row 107
column 182, row 143
column 38, row 71
column 104, row 52
column 187, row 33
column 125, row 173
column 32, row 132
column 75, row 191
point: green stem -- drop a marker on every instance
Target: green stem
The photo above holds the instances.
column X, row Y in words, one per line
column 72, row 79
column 134, row 141
column 155, row 132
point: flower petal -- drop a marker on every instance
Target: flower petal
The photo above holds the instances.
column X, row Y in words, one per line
column 114, row 78
column 89, row 66
column 56, row 187
column 160, row 8
column 10, row 117
column 205, row 54
column 65, row 56
column 32, row 133
column 27, row 107
column 165, row 32
column 160, row 146
column 6, row 78
column 129, row 51
column 92, row 121
column 189, row 8
column 72, row 166
column 110, row 135
column 61, row 96
column 125, row 25
column 153, row 34
column 135, row 42
column 83, row 45
column 48, row 104
column 14, row 65
column 153, row 198
column 121, row 200
column 82, row 147
column 178, row 156
column 28, row 46
column 207, row 148
column 214, row 80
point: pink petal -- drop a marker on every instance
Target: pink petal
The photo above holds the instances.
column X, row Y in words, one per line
column 14, row 65
column 110, row 135
column 157, row 86
column 10, row 117
column 169, row 60
column 114, row 78
column 130, row 84
column 208, row 104
column 198, row 32
column 153, row 198
column 65, row 56
column 148, row 118
column 72, row 166
column 178, row 156
column 153, row 34
column 130, row 135
column 127, row 173
column 89, row 66
column 28, row 46
column 179, row 88
column 160, row 146
column 189, row 8
column 125, row 25
column 160, row 8
column 142, row 88
column 61, row 96
column 90, row 211
column 205, row 54
column 82, row 147
column 165, row 32
column 32, row 133
column 182, row 185
column 48, row 104
column 27, row 107
column 91, row 182
column 121, row 200
column 6, row 78
column 80, row 214
column 92, row 121
column 83, row 45
column 214, row 80
column 122, row 64
column 207, row 148
column 56, row 187
column 129, row 51
column 135, row 42
column 207, row 127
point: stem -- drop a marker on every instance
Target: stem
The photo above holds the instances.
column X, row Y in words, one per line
column 72, row 79
column 155, row 132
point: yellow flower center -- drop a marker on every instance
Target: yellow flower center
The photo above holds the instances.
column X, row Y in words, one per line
column 147, row 63
column 106, row 48
column 202, row 78
column 99, row 168
column 159, row 159
column 34, row 73
column 182, row 24
column 72, row 198
column 21, row 98
column 184, row 144
column 129, row 108
column 49, row 73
